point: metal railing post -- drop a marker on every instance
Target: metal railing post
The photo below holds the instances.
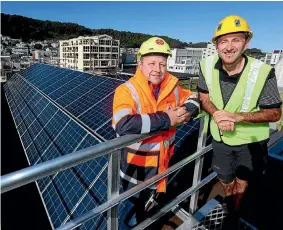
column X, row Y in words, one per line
column 113, row 188
column 199, row 162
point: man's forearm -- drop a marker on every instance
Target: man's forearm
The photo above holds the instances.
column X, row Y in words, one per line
column 264, row 115
column 208, row 106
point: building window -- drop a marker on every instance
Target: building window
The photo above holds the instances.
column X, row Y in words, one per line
column 94, row 56
column 104, row 63
column 86, row 63
column 102, row 42
column 94, row 49
column 86, row 49
column 114, row 43
column 86, row 56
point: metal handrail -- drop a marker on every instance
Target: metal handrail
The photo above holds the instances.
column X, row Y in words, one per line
column 112, row 147
column 190, row 191
column 32, row 173
column 116, row 200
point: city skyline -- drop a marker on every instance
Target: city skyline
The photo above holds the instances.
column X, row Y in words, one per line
column 162, row 18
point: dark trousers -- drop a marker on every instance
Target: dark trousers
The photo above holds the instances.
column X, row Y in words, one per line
column 133, row 211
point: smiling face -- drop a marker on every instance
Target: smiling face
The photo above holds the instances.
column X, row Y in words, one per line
column 231, row 46
column 153, row 68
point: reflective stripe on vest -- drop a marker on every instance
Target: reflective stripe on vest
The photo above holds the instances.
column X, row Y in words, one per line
column 120, row 114
column 133, row 180
column 145, row 147
column 130, row 179
column 135, row 95
column 252, row 78
column 152, row 146
column 145, row 117
column 176, row 93
column 189, row 100
column 208, row 70
column 145, row 123
column 169, row 141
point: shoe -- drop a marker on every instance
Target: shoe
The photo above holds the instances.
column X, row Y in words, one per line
column 228, row 205
column 231, row 220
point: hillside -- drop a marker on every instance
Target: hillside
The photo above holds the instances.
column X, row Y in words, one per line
column 16, row 26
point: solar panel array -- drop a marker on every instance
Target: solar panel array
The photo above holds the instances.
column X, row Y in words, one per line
column 59, row 111
column 47, row 131
column 87, row 98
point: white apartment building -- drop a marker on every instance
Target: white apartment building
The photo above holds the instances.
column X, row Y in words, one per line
column 90, row 53
column 185, row 60
column 209, row 50
column 273, row 57
column 279, row 74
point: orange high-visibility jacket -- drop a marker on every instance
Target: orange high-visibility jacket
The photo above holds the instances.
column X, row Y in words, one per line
column 135, row 110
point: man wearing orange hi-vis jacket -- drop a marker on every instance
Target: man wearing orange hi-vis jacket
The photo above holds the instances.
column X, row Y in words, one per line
column 150, row 101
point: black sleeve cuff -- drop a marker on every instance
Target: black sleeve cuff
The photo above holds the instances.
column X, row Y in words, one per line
column 193, row 108
column 273, row 106
column 271, row 74
column 130, row 124
column 202, row 90
column 159, row 121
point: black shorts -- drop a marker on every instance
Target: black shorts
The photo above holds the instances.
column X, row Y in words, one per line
column 240, row 161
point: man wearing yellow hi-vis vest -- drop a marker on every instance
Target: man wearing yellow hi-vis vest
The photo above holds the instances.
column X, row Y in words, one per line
column 241, row 97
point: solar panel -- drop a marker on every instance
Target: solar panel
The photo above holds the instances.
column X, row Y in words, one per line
column 75, row 94
column 48, row 77
column 47, row 132
column 75, row 82
column 95, row 119
column 106, row 131
column 92, row 97
column 41, row 99
column 184, row 131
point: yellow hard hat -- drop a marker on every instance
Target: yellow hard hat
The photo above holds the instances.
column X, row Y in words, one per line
column 154, row 45
column 232, row 24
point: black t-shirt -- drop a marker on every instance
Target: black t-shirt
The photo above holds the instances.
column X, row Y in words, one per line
column 269, row 97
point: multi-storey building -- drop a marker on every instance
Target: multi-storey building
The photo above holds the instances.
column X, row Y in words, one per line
column 209, row 50
column 185, row 60
column 95, row 53
column 279, row 74
column 273, row 57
